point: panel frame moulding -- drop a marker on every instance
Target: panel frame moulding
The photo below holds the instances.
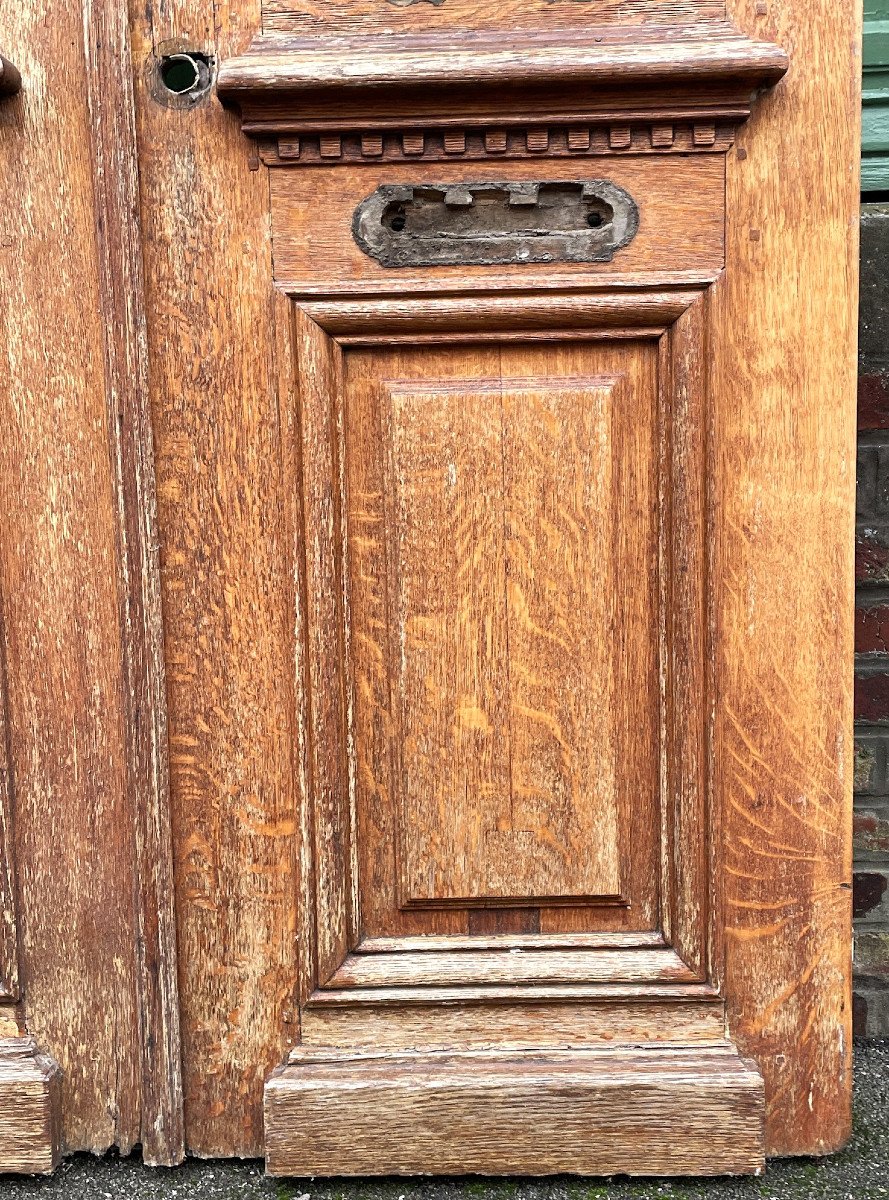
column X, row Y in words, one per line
column 649, row 1020
column 681, row 959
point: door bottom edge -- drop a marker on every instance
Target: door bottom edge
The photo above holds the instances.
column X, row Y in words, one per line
column 654, row 1110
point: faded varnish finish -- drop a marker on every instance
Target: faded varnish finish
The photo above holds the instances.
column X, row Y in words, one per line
column 226, row 559
column 339, row 1112
column 498, row 492
column 680, row 238
column 74, row 816
column 439, row 670
column 786, row 460
column 397, row 15
column 482, row 642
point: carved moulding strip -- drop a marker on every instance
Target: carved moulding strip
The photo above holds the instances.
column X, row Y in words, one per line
column 9, row 952
column 567, row 92
column 30, row 1109
column 477, row 143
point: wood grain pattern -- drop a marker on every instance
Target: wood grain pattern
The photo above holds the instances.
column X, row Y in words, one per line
column 9, row 949
column 584, row 1021
column 466, row 995
column 498, row 493
column 680, row 236
column 73, row 815
column 10, row 1021
column 30, row 1109
column 784, row 375
column 311, row 16
column 529, row 966
column 387, row 73
column 387, row 727
column 223, row 521
column 677, row 609
column 690, row 862
column 351, row 428
column 594, row 1112
column 119, row 238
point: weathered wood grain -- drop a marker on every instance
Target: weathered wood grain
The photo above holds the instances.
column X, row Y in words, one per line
column 388, row 72
column 9, row 950
column 783, row 346
column 515, row 966
column 10, row 1022
column 122, row 293
column 596, row 1112
column 680, row 236
column 400, row 715
column 30, row 1109
column 73, row 814
column 498, row 491
column 226, row 565
column 591, row 1020
column 727, row 502
column 311, row 16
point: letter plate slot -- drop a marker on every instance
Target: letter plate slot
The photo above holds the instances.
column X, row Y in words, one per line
column 483, row 224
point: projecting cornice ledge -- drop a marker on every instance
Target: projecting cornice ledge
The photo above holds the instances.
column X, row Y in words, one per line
column 597, row 90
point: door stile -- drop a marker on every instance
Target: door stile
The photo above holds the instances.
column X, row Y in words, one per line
column 119, row 242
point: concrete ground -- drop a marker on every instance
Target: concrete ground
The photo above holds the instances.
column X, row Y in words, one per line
column 860, row 1172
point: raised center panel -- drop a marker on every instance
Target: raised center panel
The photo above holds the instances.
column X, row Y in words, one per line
column 502, row 528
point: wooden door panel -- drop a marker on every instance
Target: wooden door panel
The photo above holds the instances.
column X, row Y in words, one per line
column 483, row 602
column 511, row 525
column 502, row 519
column 500, row 564
column 681, row 235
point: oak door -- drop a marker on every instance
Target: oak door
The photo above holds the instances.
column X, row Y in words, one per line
column 425, row 584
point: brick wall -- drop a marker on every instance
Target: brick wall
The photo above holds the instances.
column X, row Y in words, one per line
column 871, row 839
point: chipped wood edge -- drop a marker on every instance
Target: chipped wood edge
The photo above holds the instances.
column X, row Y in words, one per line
column 118, row 235
column 30, row 1109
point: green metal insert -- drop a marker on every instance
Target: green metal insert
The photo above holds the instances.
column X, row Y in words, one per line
column 875, row 98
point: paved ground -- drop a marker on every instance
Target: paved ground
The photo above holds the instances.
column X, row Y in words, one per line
column 861, row 1172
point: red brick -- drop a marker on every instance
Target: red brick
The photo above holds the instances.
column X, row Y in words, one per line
column 872, row 697
column 872, row 629
column 870, row 832
column 868, row 891
column 871, row 557
column 873, row 401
